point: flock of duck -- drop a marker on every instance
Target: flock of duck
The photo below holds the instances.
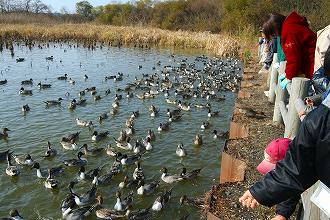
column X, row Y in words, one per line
column 180, row 85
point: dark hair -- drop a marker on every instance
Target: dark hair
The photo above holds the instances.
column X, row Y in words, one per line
column 326, row 64
column 273, row 25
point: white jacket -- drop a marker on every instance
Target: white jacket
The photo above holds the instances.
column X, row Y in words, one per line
column 322, row 44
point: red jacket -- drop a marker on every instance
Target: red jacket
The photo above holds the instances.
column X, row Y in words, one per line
column 298, row 43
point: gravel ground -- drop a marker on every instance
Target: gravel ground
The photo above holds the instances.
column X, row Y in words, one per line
column 225, row 203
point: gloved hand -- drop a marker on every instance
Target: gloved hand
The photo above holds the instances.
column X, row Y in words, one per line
column 284, row 83
column 276, row 65
column 281, row 77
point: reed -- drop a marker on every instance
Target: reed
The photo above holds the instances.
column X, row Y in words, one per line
column 221, row 45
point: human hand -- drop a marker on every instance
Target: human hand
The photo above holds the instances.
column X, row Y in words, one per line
column 309, row 102
column 278, row 217
column 284, row 83
column 281, row 77
column 248, row 200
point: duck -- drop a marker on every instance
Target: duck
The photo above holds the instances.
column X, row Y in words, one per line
column 197, row 202
column 107, row 92
column 82, row 93
column 139, row 148
column 170, row 178
column 216, row 135
column 174, row 112
column 76, row 162
column 164, row 127
column 69, row 213
column 79, row 102
column 162, row 200
column 69, row 145
column 63, row 77
column 147, row 143
column 102, row 180
column 190, row 175
column 24, row 159
column 171, row 101
column 181, row 151
column 113, row 111
column 11, row 170
column 118, row 97
column 116, row 167
column 135, row 114
column 122, row 204
column 126, row 183
column 129, row 160
column 4, row 134
column 25, row 108
column 205, row 125
column 23, row 91
column 153, row 110
column 138, row 214
column 85, row 77
column 115, row 104
column 27, row 82
column 102, row 117
column 54, row 170
column 185, row 107
column 53, row 102
column 71, row 81
column 122, row 136
column 3, row 155
column 147, row 189
column 13, row 215
column 129, row 95
column 83, row 123
column 212, row 114
column 90, row 89
column 97, row 98
column 107, row 213
column 138, row 173
column 50, row 183
column 130, row 130
column 124, row 145
column 20, row 59
column 72, row 137
column 51, row 58
column 44, row 86
column 99, row 136
column 50, row 152
column 151, row 135
column 175, row 118
column 91, row 152
column 3, row 82
column 85, row 198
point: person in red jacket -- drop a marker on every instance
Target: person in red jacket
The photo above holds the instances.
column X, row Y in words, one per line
column 298, row 42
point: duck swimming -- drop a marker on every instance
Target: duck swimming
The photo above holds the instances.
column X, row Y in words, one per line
column 13, row 215
column 205, row 125
column 107, row 213
column 147, row 189
column 53, row 102
column 162, row 200
column 76, row 162
column 69, row 213
column 197, row 202
column 198, row 140
column 11, row 170
column 23, row 91
column 170, row 178
column 50, row 183
column 3, row 154
column 164, row 127
column 4, row 133
column 124, row 145
column 85, row 198
column 63, row 77
column 25, row 108
column 181, row 151
column 50, row 152
column 138, row 173
column 190, row 175
column 93, row 151
column 99, row 136
column 122, row 204
column 127, row 183
column 3, row 82
column 24, row 160
column 129, row 160
column 68, row 145
column 54, row 170
column 44, row 86
column 27, row 82
column 83, row 123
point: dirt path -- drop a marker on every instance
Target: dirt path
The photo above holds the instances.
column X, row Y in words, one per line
column 249, row 150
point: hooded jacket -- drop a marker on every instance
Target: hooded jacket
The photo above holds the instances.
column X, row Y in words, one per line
column 322, row 44
column 298, row 43
column 305, row 162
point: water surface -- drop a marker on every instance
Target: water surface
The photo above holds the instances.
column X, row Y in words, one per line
column 30, row 133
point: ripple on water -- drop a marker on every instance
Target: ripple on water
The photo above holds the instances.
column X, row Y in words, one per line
column 31, row 132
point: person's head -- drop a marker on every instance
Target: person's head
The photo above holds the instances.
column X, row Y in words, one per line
column 274, row 152
column 273, row 26
column 326, row 64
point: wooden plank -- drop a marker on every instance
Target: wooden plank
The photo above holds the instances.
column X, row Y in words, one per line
column 237, row 130
column 284, row 112
column 232, row 169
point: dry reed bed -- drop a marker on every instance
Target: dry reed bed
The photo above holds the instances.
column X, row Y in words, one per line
column 219, row 44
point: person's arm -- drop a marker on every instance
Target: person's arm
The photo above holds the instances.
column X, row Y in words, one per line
column 287, row 208
column 296, row 172
column 293, row 52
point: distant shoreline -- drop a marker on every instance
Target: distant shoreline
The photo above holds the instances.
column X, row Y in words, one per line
column 222, row 45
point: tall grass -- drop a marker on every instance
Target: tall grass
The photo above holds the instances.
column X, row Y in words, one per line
column 221, row 45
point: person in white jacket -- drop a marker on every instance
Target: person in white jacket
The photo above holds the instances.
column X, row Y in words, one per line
column 322, row 44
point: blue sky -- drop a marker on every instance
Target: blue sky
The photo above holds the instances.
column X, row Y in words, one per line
column 70, row 4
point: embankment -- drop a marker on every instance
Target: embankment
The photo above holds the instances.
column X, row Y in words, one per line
column 249, row 149
column 221, row 45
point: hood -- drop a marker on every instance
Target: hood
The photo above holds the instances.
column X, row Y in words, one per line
column 294, row 18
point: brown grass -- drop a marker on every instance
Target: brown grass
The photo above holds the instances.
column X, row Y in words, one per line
column 221, row 45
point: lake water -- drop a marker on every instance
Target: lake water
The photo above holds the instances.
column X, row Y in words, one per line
column 30, row 133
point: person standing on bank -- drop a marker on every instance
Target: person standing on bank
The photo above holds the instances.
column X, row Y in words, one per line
column 298, row 42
